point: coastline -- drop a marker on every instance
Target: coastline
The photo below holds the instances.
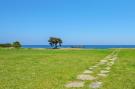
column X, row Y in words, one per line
column 84, row 46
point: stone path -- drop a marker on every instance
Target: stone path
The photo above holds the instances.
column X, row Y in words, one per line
column 95, row 85
column 104, row 67
column 75, row 84
column 88, row 72
column 85, row 77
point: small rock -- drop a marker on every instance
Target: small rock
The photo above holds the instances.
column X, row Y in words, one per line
column 87, row 72
column 104, row 71
column 75, row 84
column 90, row 68
column 95, row 66
column 109, row 64
column 107, row 68
column 108, row 57
column 95, row 85
column 112, row 59
column 103, row 61
column 112, row 62
column 85, row 77
column 102, row 75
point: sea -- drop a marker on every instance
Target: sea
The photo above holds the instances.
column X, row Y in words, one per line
column 82, row 46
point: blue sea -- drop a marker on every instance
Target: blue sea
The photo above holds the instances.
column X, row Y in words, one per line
column 84, row 46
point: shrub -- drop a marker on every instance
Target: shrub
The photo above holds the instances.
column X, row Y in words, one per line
column 6, row 45
column 16, row 44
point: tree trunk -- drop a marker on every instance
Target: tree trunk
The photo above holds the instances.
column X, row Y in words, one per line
column 55, row 47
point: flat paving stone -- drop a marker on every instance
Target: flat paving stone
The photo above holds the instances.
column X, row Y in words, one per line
column 91, row 68
column 108, row 68
column 95, row 85
column 104, row 71
column 112, row 59
column 112, row 62
column 102, row 75
column 75, row 84
column 109, row 64
column 85, row 77
column 115, row 57
column 87, row 72
column 103, row 61
column 108, row 57
column 95, row 66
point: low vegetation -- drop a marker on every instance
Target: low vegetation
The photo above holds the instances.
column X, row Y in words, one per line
column 16, row 44
column 52, row 69
column 6, row 45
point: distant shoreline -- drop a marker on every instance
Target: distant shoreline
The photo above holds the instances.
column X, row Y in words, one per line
column 81, row 46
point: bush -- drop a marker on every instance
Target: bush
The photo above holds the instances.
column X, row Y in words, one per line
column 16, row 44
column 6, row 45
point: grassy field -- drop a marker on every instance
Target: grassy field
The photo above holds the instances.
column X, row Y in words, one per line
column 52, row 69
column 122, row 75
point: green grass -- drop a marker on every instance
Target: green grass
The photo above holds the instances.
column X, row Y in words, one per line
column 122, row 75
column 52, row 69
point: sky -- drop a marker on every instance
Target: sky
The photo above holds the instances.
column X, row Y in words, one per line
column 78, row 22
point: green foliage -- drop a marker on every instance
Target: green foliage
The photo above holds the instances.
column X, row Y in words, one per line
column 16, row 44
column 6, row 45
column 55, row 42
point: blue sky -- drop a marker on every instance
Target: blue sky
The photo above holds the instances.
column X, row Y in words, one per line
column 85, row 22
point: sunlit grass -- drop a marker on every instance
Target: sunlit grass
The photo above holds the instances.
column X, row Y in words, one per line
column 51, row 69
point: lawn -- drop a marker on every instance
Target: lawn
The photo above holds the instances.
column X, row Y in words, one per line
column 122, row 75
column 52, row 69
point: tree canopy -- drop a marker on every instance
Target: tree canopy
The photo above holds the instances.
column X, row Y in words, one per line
column 55, row 42
column 16, row 44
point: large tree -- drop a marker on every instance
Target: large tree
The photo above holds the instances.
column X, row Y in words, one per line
column 55, row 42
column 16, row 44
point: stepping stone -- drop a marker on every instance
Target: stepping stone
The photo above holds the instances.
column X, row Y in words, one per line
column 112, row 62
column 95, row 66
column 87, row 72
column 102, row 75
column 115, row 58
column 75, row 84
column 90, row 68
column 112, row 59
column 107, row 68
column 109, row 64
column 95, row 85
column 103, row 61
column 108, row 57
column 85, row 77
column 104, row 71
